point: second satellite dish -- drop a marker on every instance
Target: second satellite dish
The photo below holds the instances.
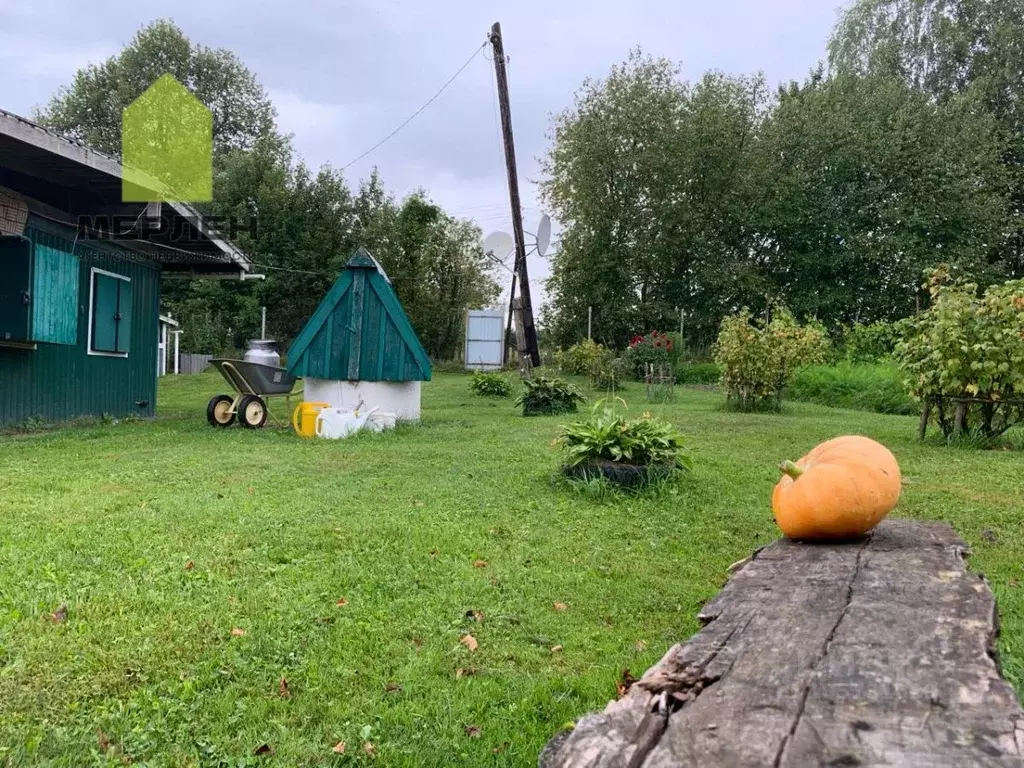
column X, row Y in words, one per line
column 499, row 244
column 544, row 235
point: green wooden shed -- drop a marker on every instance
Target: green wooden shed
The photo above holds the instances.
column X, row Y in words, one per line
column 80, row 273
column 359, row 347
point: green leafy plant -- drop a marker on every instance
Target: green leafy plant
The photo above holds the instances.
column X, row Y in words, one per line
column 758, row 358
column 543, row 395
column 588, row 358
column 608, row 436
column 490, row 384
column 868, row 343
column 963, row 357
column 698, row 373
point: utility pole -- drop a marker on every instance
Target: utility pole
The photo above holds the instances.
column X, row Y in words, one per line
column 527, row 339
column 508, row 322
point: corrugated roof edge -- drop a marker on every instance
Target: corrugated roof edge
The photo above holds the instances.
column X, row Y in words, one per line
column 23, row 129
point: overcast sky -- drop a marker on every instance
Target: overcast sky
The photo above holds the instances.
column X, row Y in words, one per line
column 344, row 74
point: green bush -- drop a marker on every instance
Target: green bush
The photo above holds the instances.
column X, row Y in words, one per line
column 758, row 359
column 490, row 384
column 608, row 436
column 543, row 395
column 874, row 387
column 698, row 373
column 868, row 343
column 588, row 358
column 967, row 351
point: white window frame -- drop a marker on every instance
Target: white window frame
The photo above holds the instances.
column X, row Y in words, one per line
column 92, row 288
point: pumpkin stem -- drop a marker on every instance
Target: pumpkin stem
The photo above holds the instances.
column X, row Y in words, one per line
column 791, row 469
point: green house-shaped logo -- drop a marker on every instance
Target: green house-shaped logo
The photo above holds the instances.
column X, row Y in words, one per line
column 167, row 146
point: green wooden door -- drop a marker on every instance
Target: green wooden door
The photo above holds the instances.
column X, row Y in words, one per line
column 15, row 288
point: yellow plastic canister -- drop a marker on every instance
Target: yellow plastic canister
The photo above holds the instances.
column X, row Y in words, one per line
column 304, row 418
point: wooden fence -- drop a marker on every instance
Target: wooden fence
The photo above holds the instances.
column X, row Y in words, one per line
column 194, row 363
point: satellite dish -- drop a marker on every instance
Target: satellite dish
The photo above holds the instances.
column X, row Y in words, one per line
column 544, row 235
column 499, row 244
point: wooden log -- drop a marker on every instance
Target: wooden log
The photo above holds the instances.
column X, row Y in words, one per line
column 869, row 653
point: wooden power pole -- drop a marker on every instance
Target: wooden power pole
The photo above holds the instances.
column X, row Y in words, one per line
column 527, row 338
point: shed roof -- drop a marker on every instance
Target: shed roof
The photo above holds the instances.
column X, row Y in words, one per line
column 78, row 181
column 360, row 331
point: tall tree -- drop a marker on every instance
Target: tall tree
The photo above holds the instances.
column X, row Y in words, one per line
column 90, row 109
column 868, row 182
column 948, row 49
column 653, row 181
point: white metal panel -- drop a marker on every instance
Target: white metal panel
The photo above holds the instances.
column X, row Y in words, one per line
column 485, row 339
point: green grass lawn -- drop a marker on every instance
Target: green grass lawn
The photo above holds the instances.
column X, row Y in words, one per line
column 166, row 539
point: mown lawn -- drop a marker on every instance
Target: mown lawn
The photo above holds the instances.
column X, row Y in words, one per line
column 164, row 540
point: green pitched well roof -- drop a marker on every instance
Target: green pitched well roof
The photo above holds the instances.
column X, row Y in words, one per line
column 359, row 332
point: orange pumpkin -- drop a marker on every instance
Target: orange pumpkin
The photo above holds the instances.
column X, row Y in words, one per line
column 842, row 488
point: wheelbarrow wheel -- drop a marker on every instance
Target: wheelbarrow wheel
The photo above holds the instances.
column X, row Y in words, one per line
column 252, row 411
column 218, row 412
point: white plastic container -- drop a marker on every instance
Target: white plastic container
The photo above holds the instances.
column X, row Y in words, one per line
column 382, row 420
column 339, row 423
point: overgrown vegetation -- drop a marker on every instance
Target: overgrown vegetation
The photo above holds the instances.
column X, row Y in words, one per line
column 490, row 384
column 759, row 358
column 588, row 358
column 698, row 373
column 964, row 356
column 874, row 387
column 542, row 396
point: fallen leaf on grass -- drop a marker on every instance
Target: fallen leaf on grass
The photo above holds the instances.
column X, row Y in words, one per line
column 393, row 688
column 556, row 649
column 60, row 615
column 264, row 749
column 473, row 731
column 102, row 741
column 500, row 748
column 435, row 552
column 252, row 491
column 282, row 689
column 470, row 642
column 641, row 645
column 622, row 686
column 369, row 749
column 465, row 672
column 189, row 565
column 476, row 616
column 479, row 563
column 341, row 602
column 560, row 606
column 339, row 748
column 238, row 632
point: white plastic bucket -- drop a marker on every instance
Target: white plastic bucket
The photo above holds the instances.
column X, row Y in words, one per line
column 381, row 420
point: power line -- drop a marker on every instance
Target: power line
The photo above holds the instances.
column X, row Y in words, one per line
column 415, row 114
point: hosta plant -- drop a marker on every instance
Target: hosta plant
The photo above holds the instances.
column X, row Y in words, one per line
column 622, row 449
column 963, row 357
column 759, row 358
column 542, row 396
column 490, row 384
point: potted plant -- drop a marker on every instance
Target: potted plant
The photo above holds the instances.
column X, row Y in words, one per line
column 542, row 396
column 627, row 452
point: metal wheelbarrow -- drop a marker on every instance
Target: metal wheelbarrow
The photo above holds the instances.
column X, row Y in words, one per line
column 254, row 384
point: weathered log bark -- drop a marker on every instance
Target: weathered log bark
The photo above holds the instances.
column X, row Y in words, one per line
column 870, row 653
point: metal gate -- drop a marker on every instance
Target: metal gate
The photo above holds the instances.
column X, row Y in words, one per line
column 485, row 339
